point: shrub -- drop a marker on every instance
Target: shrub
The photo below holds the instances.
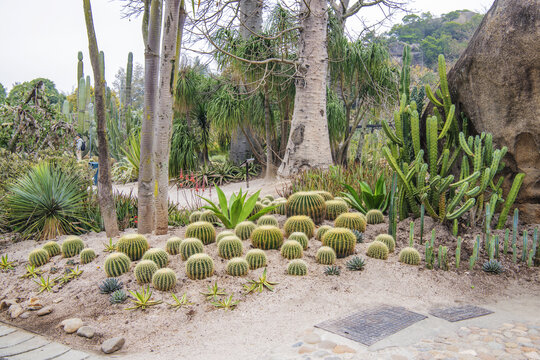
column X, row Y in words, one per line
column 173, row 245
column 307, row 203
column 189, row 247
column 256, row 258
column 223, row 234
column 299, row 223
column 237, row 267
column 87, row 255
column 341, row 240
column 301, row 238
column 377, row 250
column 133, row 245
column 291, row 250
column 334, row 208
column 244, row 229
column 199, row 266
column 164, row 279
column 267, row 237
column 38, row 257
column 352, row 221
column 230, row 247
column 203, row 231
column 144, row 271
column 322, row 230
column 159, row 256
column 388, row 240
column 409, row 256
column 117, row 264
column 297, row 267
column 326, row 255
column 72, row 246
column 267, row 220
column 374, row 217
column 52, row 248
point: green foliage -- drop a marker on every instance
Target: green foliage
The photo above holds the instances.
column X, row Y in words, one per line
column 87, row 255
column 32, row 272
column 334, row 208
column 367, row 199
column 144, row 271
column 184, row 153
column 493, row 266
column 260, row 284
column 237, row 267
column 203, row 231
column 351, row 221
column 301, row 238
column 173, row 245
column 409, row 255
column 458, row 252
column 355, row 264
column 118, row 297
column 199, row 266
column 358, row 235
column 442, row 258
column 142, row 299
column 281, row 207
column 511, row 197
column 377, row 250
column 307, row 203
column 299, row 223
column 342, row 240
column 230, row 247
column 297, row 267
column 38, row 257
column 267, row 237
column 179, row 303
column 110, row 247
column 325, row 255
column 190, row 246
column 256, row 258
column 164, row 279
column 291, row 250
column 45, row 284
column 392, row 209
column 388, row 240
column 72, row 246
column 332, row 270
column 374, row 217
column 133, row 245
column 159, row 256
column 226, row 304
column 116, row 264
column 213, row 292
column 267, row 220
column 110, row 285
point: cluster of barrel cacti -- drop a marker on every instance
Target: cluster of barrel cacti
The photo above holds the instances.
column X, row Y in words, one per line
column 307, row 203
column 52, row 248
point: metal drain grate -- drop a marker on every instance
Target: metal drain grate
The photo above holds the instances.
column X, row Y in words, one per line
column 458, row 313
column 369, row 326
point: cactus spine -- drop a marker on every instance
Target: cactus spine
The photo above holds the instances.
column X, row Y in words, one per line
column 377, row 250
column 301, row 238
column 159, row 256
column 430, row 252
column 374, row 216
column 411, row 234
column 209, row 216
column 144, row 271
column 189, row 247
column 342, row 240
column 117, row 264
column 291, row 250
column 195, row 216
column 307, row 203
column 409, row 255
column 38, row 257
column 299, row 223
column 203, row 231
column 325, row 195
column 133, row 245
column 52, row 248
column 173, row 245
column 164, row 279
column 72, row 246
column 87, row 255
column 230, row 247
column 244, row 229
column 224, row 234
column 267, row 237
column 297, row 267
column 237, row 267
column 326, row 255
column 256, row 258
column 199, row 266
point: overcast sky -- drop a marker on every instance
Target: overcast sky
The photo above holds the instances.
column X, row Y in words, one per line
column 41, row 38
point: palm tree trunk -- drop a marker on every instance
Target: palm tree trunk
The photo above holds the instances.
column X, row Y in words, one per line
column 309, row 144
column 146, row 167
column 105, row 196
column 165, row 115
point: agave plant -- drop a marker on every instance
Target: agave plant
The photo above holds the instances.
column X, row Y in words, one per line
column 237, row 209
column 47, row 202
column 367, row 199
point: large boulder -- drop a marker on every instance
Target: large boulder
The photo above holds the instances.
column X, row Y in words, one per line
column 496, row 83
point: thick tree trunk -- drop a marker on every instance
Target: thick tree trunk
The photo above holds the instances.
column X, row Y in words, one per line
column 105, row 196
column 146, row 167
column 165, row 115
column 309, row 144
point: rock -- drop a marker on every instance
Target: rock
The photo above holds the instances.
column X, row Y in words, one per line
column 306, row 349
column 321, row 353
column 343, row 349
column 34, row 304
column 298, row 344
column 56, row 301
column 5, row 304
column 86, row 331
column 15, row 311
column 24, row 315
column 71, row 325
column 532, row 355
column 327, row 344
column 44, row 311
column 468, row 352
column 312, row 338
column 496, row 83
column 111, row 345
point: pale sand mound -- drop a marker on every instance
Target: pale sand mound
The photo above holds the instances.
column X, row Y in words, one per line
column 261, row 321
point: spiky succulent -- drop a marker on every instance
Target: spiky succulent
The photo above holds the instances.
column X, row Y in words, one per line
column 38, row 257
column 334, row 208
column 267, row 220
column 409, row 256
column 118, row 297
column 493, row 266
column 256, row 258
column 110, row 285
column 244, row 229
column 72, row 246
column 133, row 245
column 223, row 234
column 258, row 207
column 355, row 264
column 159, row 256
column 297, row 267
column 332, row 270
column 377, row 250
column 291, row 250
column 352, row 221
column 325, row 195
column 321, row 231
column 301, row 238
column 299, row 223
column 358, row 235
column 209, row 216
column 325, row 255
column 267, row 237
column 195, row 216
column 309, row 204
column 52, row 248
column 237, row 267
column 388, row 240
column 203, row 231
column 173, row 245
column 199, row 266
column 230, row 247
column 164, row 279
column 87, row 255
column 341, row 240
column 281, row 207
column 144, row 271
column 374, row 216
column 189, row 247
column 117, row 264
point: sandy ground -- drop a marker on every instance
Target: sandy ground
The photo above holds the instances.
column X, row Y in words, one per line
column 261, row 321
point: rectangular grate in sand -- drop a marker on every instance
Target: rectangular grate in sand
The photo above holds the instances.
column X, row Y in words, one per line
column 369, row 326
column 458, row 313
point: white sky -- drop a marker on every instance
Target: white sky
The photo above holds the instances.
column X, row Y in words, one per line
column 41, row 38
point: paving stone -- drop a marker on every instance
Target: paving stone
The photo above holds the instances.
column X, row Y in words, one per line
column 332, row 358
column 14, row 338
column 111, row 345
column 24, row 347
column 4, row 330
column 49, row 351
column 74, row 355
column 511, row 345
column 468, row 352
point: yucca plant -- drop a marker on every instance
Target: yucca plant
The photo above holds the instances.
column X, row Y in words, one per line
column 367, row 199
column 47, row 203
column 237, row 209
column 142, row 299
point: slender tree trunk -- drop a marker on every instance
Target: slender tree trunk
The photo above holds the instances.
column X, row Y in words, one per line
column 165, row 115
column 146, row 167
column 105, row 196
column 270, row 169
column 309, row 144
column 361, row 140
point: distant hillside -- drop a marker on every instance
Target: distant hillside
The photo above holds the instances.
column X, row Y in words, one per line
column 430, row 36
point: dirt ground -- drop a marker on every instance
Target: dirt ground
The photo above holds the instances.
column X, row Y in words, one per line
column 261, row 321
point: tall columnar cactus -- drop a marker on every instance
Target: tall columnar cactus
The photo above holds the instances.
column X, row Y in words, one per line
column 374, row 216
column 422, row 212
column 307, row 203
column 80, row 67
column 299, row 223
column 430, row 251
column 411, row 234
column 72, row 246
column 297, row 267
column 458, row 252
column 38, row 257
column 267, row 220
column 334, row 208
column 256, row 258
column 388, row 240
column 321, row 231
column 352, row 221
column 342, row 240
column 230, row 247
column 510, row 198
column 326, row 255
column 144, row 271
column 117, row 264
column 52, row 248
column 291, row 250
column 203, row 231
column 164, row 279
column 409, row 255
column 524, row 250
column 301, row 238
column 237, row 267
column 133, row 245
column 127, row 99
column 173, row 245
column 199, row 266
column 159, row 256
column 443, row 257
column 515, row 227
column 189, row 247
column 377, row 250
column 267, row 237
column 244, row 229
column 87, row 255
column 392, row 209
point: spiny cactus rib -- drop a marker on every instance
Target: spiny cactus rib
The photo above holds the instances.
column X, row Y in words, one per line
column 297, row 267
column 199, row 266
column 133, row 245
column 352, row 221
column 409, row 256
column 237, row 267
column 164, row 279
column 291, row 250
column 390, row 133
column 87, row 255
column 195, row 216
column 38, row 257
column 230, row 247
column 466, row 207
column 301, row 238
column 388, row 240
column 173, row 245
column 189, row 247
column 299, row 223
column 469, row 179
column 326, row 255
column 281, row 208
column 144, row 271
column 377, row 250
column 267, row 237
column 448, row 122
column 244, row 229
column 321, row 231
column 117, row 264
column 256, row 258
column 72, row 246
column 432, row 144
column 334, row 208
column 159, row 256
column 308, row 204
column 203, row 231
column 342, row 240
column 267, row 220
column 374, row 217
column 52, row 248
